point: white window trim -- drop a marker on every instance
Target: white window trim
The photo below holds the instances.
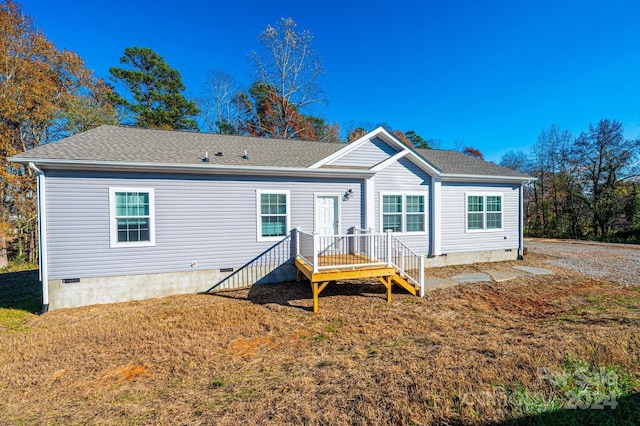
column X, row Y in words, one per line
column 114, row 243
column 259, row 193
column 315, row 208
column 404, row 195
column 484, row 196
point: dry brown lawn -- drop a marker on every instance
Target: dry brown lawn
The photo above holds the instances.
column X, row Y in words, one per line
column 260, row 356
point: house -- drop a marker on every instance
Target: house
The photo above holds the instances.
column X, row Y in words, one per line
column 129, row 214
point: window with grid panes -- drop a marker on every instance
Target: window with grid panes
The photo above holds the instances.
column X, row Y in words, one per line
column 392, row 213
column 132, row 216
column 484, row 212
column 273, row 214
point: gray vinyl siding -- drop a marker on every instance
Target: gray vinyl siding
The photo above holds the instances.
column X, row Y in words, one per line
column 368, row 154
column 208, row 219
column 456, row 239
column 405, row 177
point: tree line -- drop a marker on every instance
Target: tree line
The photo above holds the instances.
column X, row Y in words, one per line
column 587, row 187
column 47, row 94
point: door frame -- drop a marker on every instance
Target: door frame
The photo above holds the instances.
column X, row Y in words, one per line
column 338, row 197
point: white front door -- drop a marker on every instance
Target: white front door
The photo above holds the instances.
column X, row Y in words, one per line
column 327, row 217
column 327, row 220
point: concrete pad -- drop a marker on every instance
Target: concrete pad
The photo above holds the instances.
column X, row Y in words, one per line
column 501, row 275
column 534, row 270
column 520, row 273
column 432, row 283
column 471, row 278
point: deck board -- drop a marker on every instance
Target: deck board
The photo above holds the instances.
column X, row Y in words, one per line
column 343, row 271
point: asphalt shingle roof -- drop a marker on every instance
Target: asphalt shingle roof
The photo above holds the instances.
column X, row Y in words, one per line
column 134, row 145
column 457, row 163
column 120, row 144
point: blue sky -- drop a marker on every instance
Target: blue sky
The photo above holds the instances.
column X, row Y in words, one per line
column 491, row 74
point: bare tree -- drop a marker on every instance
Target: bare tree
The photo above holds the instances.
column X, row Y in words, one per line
column 219, row 106
column 515, row 160
column 432, row 143
column 550, row 163
column 288, row 64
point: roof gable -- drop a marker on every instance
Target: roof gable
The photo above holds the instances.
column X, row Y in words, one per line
column 382, row 141
column 379, row 133
column 368, row 154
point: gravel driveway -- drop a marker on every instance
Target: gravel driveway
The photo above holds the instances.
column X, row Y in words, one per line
column 615, row 262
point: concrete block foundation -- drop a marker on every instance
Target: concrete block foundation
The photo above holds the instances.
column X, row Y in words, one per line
column 470, row 257
column 126, row 288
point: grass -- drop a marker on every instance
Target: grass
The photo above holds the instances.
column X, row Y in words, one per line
column 517, row 352
column 581, row 393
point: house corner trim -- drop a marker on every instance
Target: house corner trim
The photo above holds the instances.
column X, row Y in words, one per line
column 436, row 221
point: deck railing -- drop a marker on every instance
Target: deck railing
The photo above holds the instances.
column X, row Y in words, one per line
column 409, row 263
column 342, row 251
column 360, row 248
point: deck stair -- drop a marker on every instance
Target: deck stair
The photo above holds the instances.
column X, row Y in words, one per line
column 401, row 282
column 360, row 254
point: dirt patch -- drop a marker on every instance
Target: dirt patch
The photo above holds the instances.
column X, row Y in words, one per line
column 491, row 299
column 125, row 373
column 247, row 347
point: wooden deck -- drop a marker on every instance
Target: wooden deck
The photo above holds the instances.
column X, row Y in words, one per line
column 348, row 267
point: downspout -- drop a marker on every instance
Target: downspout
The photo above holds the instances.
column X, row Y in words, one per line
column 521, row 225
column 42, row 234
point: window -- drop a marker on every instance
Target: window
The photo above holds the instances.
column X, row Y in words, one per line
column 273, row 214
column 132, row 217
column 392, row 212
column 475, row 212
column 484, row 212
column 494, row 212
column 403, row 213
column 415, row 213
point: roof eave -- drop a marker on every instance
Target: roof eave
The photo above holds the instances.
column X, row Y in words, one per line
column 446, row 177
column 190, row 168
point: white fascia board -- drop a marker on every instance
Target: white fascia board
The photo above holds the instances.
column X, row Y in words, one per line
column 415, row 158
column 194, row 168
column 484, row 178
column 379, row 132
column 389, row 161
column 423, row 164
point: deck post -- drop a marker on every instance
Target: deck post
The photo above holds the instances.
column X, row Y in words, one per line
column 421, row 275
column 314, row 286
column 389, row 248
column 315, row 252
column 388, row 284
column 296, row 240
column 356, row 241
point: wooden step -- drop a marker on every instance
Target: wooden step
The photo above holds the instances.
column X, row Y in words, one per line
column 404, row 284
